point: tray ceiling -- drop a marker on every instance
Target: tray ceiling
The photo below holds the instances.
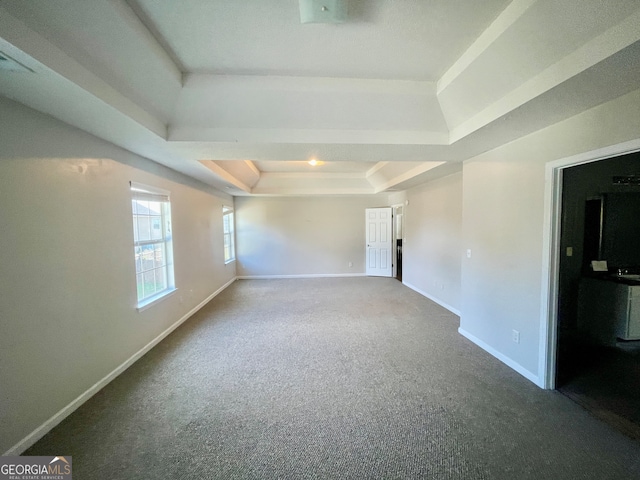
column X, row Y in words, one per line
column 240, row 95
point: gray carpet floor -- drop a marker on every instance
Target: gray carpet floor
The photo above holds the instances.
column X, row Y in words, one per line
column 350, row 378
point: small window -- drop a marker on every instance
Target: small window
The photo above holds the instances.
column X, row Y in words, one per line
column 229, row 240
column 153, row 246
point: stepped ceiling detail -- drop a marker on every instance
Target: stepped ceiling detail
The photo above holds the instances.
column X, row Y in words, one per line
column 241, row 95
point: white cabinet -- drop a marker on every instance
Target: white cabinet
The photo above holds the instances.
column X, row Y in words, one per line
column 628, row 314
column 609, row 310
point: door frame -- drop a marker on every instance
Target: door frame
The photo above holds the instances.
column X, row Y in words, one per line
column 394, row 219
column 551, row 251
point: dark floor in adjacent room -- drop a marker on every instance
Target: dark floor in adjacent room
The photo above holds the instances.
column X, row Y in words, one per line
column 606, row 381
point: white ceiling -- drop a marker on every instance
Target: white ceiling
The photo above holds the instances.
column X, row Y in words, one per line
column 240, row 95
column 266, row 37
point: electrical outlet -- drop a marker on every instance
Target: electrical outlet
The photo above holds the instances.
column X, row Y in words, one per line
column 351, row 264
column 515, row 336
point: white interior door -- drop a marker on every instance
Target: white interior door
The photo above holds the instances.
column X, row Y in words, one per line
column 379, row 242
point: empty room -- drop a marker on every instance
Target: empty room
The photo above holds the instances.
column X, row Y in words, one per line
column 320, row 239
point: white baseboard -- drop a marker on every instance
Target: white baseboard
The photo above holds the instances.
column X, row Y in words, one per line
column 47, row 426
column 503, row 358
column 311, row 275
column 455, row 311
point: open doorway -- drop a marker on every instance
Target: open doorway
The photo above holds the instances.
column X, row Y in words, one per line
column 398, row 222
column 597, row 363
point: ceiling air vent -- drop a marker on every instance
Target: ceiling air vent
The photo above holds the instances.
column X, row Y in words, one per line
column 631, row 180
column 9, row 64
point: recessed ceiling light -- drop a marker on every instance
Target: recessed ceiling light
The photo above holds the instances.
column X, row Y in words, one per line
column 313, row 162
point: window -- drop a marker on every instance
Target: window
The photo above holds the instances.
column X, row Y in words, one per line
column 153, row 248
column 229, row 241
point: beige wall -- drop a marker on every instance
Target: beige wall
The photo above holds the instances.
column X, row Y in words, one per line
column 67, row 290
column 67, row 281
column 503, row 225
column 302, row 235
column 433, row 235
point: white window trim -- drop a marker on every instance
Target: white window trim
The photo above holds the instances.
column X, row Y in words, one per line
column 151, row 301
column 142, row 188
column 227, row 210
column 171, row 288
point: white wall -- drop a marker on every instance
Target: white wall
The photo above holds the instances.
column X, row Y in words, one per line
column 433, row 235
column 302, row 235
column 503, row 225
column 67, row 276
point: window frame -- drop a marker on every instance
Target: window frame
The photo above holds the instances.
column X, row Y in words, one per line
column 164, row 243
column 228, row 220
